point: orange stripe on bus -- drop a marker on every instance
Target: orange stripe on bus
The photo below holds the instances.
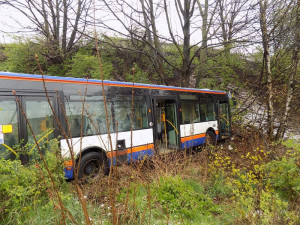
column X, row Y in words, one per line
column 107, row 84
column 183, row 139
column 128, row 151
column 193, row 137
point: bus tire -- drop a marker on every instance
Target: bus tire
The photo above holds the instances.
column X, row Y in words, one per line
column 92, row 165
column 210, row 138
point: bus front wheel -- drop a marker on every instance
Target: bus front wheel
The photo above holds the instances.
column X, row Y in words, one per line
column 92, row 165
column 210, row 139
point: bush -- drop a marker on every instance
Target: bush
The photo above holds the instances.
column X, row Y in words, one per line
column 83, row 64
column 284, row 177
column 171, row 199
column 20, row 56
column 183, row 197
column 24, row 185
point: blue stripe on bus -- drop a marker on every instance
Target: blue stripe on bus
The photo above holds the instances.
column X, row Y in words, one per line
column 138, row 156
column 107, row 82
column 192, row 143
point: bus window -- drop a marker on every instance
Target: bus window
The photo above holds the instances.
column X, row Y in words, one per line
column 224, row 118
column 190, row 112
column 8, row 116
column 140, row 119
column 40, row 117
column 122, row 111
column 73, row 113
column 93, row 119
column 207, row 112
column 96, row 115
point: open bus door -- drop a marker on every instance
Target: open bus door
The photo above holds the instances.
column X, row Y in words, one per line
column 166, row 131
column 224, row 119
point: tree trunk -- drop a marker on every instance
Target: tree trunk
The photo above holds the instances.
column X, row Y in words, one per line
column 267, row 62
column 187, row 11
column 292, row 77
column 65, row 23
column 45, row 16
column 203, row 50
column 155, row 47
column 224, row 24
column 74, row 32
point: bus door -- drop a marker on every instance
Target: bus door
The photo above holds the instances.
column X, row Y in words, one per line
column 224, row 119
column 14, row 128
column 41, row 119
column 165, row 124
column 9, row 126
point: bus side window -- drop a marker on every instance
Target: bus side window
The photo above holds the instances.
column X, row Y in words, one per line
column 140, row 115
column 123, row 110
column 210, row 110
column 73, row 112
column 203, row 112
column 190, row 112
column 94, row 117
column 207, row 110
column 40, row 117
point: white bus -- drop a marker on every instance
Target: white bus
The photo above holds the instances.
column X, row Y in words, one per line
column 164, row 118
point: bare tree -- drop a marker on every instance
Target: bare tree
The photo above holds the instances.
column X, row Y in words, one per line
column 267, row 62
column 153, row 39
column 185, row 12
column 292, row 74
column 181, row 39
column 273, row 16
column 234, row 17
column 61, row 23
column 207, row 24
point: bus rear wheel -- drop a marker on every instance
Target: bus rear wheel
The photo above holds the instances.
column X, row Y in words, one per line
column 92, row 165
column 210, row 139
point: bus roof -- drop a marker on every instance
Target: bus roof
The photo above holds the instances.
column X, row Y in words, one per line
column 47, row 78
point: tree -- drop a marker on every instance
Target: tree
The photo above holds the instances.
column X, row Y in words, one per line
column 234, row 18
column 292, row 74
column 207, row 24
column 267, row 64
column 277, row 32
column 147, row 35
column 60, row 23
column 185, row 13
column 19, row 57
column 155, row 47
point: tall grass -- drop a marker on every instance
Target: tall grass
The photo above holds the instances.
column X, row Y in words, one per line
column 215, row 186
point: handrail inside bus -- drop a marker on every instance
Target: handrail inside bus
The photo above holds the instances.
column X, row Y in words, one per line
column 172, row 126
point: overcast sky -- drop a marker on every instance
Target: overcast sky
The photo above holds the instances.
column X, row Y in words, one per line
column 10, row 19
column 10, row 27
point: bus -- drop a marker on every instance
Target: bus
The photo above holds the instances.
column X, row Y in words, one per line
column 127, row 123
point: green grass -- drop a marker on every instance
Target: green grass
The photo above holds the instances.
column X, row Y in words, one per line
column 242, row 188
